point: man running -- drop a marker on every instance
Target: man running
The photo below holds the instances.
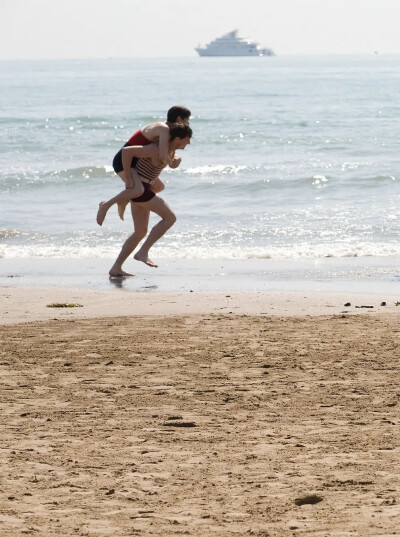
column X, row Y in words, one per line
column 155, row 132
column 147, row 170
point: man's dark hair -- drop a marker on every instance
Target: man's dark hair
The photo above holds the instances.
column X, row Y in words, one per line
column 179, row 131
column 177, row 111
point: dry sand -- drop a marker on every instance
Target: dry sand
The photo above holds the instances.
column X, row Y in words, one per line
column 201, row 424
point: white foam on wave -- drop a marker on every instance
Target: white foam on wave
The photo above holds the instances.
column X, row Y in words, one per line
column 182, row 251
column 216, row 169
column 11, row 233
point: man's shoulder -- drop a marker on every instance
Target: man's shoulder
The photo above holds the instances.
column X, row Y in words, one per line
column 151, row 149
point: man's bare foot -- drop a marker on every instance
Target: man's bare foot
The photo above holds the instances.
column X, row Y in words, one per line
column 121, row 208
column 119, row 273
column 101, row 213
column 145, row 259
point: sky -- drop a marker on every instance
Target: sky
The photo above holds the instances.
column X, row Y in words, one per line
column 44, row 29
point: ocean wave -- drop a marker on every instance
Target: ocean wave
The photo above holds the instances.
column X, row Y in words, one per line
column 18, row 178
column 12, row 233
column 182, row 251
column 373, row 180
column 87, row 172
column 48, row 119
column 246, row 180
column 284, row 176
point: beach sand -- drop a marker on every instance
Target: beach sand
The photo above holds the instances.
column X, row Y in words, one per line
column 22, row 304
column 198, row 414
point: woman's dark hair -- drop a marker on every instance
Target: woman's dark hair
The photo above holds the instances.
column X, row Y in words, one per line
column 177, row 111
column 176, row 130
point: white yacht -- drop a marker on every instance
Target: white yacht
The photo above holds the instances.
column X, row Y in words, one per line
column 232, row 44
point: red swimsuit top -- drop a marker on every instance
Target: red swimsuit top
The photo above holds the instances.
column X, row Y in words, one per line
column 138, row 139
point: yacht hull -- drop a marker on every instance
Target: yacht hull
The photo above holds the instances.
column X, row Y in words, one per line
column 225, row 54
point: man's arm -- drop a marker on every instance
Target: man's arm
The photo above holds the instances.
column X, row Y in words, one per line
column 175, row 162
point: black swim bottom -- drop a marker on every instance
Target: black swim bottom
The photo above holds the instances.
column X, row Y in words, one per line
column 117, row 161
column 147, row 195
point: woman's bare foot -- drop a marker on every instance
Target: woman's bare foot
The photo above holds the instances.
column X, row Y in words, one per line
column 145, row 259
column 101, row 213
column 121, row 208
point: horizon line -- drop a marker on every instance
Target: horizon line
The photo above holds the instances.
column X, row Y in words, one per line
column 78, row 58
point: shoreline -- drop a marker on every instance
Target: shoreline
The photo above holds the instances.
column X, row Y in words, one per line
column 366, row 275
column 187, row 287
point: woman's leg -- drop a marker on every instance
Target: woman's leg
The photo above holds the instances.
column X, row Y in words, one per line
column 138, row 187
column 140, row 215
column 122, row 199
column 159, row 206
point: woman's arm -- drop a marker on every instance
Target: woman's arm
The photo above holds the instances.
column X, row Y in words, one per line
column 138, row 151
column 159, row 132
column 163, row 144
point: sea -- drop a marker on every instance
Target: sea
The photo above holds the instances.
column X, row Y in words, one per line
column 293, row 160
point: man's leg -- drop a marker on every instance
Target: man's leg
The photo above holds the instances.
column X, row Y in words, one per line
column 168, row 219
column 140, row 215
